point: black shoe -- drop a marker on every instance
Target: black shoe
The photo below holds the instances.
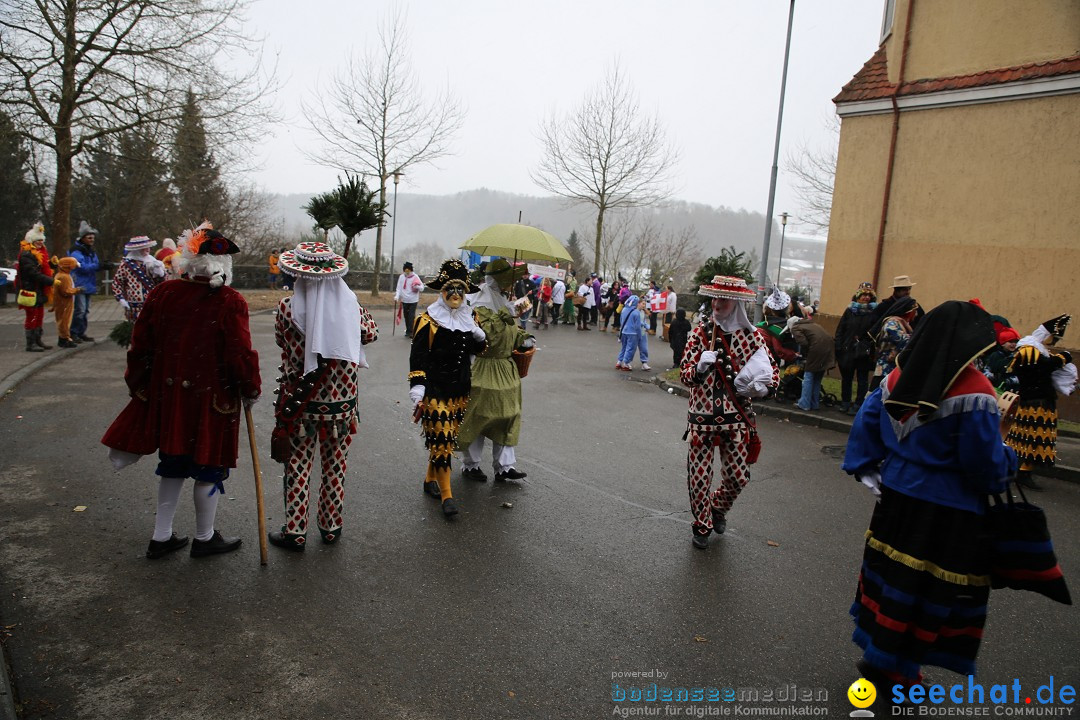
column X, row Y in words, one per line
column 511, row 474
column 86, row 338
column 76, row 339
column 432, row 488
column 700, row 541
column 329, row 537
column 216, row 545
column 1025, row 478
column 719, row 523
column 475, row 474
column 34, row 348
column 65, row 343
column 161, row 548
column 449, row 507
column 288, row 541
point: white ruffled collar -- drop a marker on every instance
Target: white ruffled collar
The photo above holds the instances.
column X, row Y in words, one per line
column 451, row 319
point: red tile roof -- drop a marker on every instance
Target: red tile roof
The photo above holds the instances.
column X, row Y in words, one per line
column 872, row 82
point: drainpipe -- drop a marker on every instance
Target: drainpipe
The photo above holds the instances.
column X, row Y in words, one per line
column 892, row 146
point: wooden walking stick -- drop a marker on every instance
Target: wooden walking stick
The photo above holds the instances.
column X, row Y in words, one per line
column 258, row 486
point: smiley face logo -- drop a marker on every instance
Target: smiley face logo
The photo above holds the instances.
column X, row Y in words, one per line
column 862, row 693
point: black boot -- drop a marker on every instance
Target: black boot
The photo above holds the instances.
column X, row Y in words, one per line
column 37, row 340
column 65, row 343
column 719, row 522
column 31, row 346
column 432, row 488
column 700, row 541
column 449, row 507
column 216, row 545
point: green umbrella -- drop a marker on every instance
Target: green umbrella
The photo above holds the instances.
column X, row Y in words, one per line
column 521, row 242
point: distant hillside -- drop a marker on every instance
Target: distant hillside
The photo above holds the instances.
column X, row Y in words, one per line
column 450, row 220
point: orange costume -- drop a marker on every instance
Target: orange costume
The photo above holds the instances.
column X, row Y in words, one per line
column 64, row 292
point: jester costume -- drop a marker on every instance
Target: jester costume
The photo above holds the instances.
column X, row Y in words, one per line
column 725, row 363
column 138, row 274
column 1033, row 433
column 321, row 331
column 444, row 338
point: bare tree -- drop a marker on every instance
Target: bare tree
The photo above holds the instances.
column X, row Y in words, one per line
column 72, row 72
column 373, row 119
column 814, row 171
column 606, row 153
column 425, row 256
column 675, row 256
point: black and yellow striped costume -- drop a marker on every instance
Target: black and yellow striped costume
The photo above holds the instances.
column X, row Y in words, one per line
column 1033, row 434
column 439, row 361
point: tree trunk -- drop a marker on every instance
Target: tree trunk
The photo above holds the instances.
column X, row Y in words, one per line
column 60, row 230
column 378, row 241
column 599, row 236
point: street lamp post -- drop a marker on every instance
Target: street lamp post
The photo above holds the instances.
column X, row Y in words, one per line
column 764, row 271
column 783, row 231
column 393, row 224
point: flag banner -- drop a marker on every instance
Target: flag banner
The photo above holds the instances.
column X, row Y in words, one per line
column 659, row 302
column 548, row 272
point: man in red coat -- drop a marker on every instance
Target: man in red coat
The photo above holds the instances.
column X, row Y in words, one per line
column 189, row 369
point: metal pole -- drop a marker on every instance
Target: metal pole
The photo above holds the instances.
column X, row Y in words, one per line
column 783, row 231
column 393, row 224
column 763, row 272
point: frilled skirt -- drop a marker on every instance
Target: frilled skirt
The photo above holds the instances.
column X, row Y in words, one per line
column 1033, row 434
column 440, row 420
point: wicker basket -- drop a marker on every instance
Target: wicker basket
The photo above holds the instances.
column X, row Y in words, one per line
column 523, row 358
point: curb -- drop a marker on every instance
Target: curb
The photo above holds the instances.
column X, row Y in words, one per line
column 7, row 695
column 1058, row 472
column 8, row 383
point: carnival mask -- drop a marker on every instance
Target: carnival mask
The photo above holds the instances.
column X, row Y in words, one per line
column 453, row 293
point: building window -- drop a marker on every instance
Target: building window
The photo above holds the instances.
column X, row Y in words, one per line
column 887, row 19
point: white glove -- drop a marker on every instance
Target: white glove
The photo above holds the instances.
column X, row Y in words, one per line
column 707, row 360
column 249, row 402
column 416, row 394
column 871, row 480
column 528, row 343
column 124, row 304
column 478, row 334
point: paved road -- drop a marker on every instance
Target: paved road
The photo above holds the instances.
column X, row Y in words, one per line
column 522, row 612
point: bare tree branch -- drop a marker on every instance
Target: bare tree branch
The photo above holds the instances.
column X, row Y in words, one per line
column 373, row 119
column 814, row 171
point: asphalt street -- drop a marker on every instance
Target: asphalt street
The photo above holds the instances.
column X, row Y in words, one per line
column 529, row 604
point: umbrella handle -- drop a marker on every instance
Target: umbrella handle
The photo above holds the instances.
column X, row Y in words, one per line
column 258, row 486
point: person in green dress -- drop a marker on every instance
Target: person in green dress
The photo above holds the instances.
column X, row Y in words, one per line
column 494, row 411
column 568, row 309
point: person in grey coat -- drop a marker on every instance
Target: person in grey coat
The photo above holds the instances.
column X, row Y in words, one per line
column 818, row 357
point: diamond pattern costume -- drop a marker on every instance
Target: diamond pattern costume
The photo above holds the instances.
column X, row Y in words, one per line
column 715, row 423
column 328, row 420
column 133, row 283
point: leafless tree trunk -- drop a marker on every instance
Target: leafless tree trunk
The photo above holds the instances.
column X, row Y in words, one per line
column 675, row 257
column 606, row 154
column 373, row 119
column 74, row 71
column 814, row 171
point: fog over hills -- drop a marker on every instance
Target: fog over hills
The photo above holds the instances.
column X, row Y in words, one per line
column 449, row 220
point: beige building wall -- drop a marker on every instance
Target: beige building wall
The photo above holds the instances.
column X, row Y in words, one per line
column 961, row 37
column 983, row 204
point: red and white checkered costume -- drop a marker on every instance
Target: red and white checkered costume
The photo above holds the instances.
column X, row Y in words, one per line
column 328, row 420
column 714, row 422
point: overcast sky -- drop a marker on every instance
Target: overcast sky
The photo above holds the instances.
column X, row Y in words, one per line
column 709, row 68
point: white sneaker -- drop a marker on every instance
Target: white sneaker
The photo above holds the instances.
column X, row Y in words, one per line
column 644, row 366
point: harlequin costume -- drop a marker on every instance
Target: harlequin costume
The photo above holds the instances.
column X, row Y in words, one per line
column 725, row 364
column 139, row 273
column 189, row 369
column 928, row 443
column 35, row 275
column 494, row 410
column 321, row 331
column 1033, row 433
column 440, row 373
column 64, row 292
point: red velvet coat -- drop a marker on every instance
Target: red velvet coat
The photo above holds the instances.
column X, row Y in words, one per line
column 190, row 361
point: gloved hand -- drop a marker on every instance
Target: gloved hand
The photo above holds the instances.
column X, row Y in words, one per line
column 1067, row 355
column 416, row 394
column 249, row 402
column 124, row 304
column 478, row 334
column 707, row 360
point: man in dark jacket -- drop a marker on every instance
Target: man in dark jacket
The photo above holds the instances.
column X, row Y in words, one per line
column 901, row 288
column 85, row 277
column 818, row 358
